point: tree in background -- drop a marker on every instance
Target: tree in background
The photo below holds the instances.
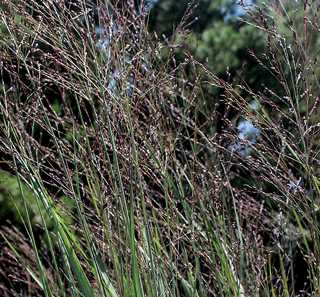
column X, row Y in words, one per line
column 217, row 36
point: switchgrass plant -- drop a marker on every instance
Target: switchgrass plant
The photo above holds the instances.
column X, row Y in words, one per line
column 140, row 195
column 274, row 146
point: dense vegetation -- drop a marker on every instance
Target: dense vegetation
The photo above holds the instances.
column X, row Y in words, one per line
column 159, row 148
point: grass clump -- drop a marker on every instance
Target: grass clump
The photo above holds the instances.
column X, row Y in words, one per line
column 97, row 115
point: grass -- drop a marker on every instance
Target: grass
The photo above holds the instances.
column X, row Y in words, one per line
column 158, row 203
